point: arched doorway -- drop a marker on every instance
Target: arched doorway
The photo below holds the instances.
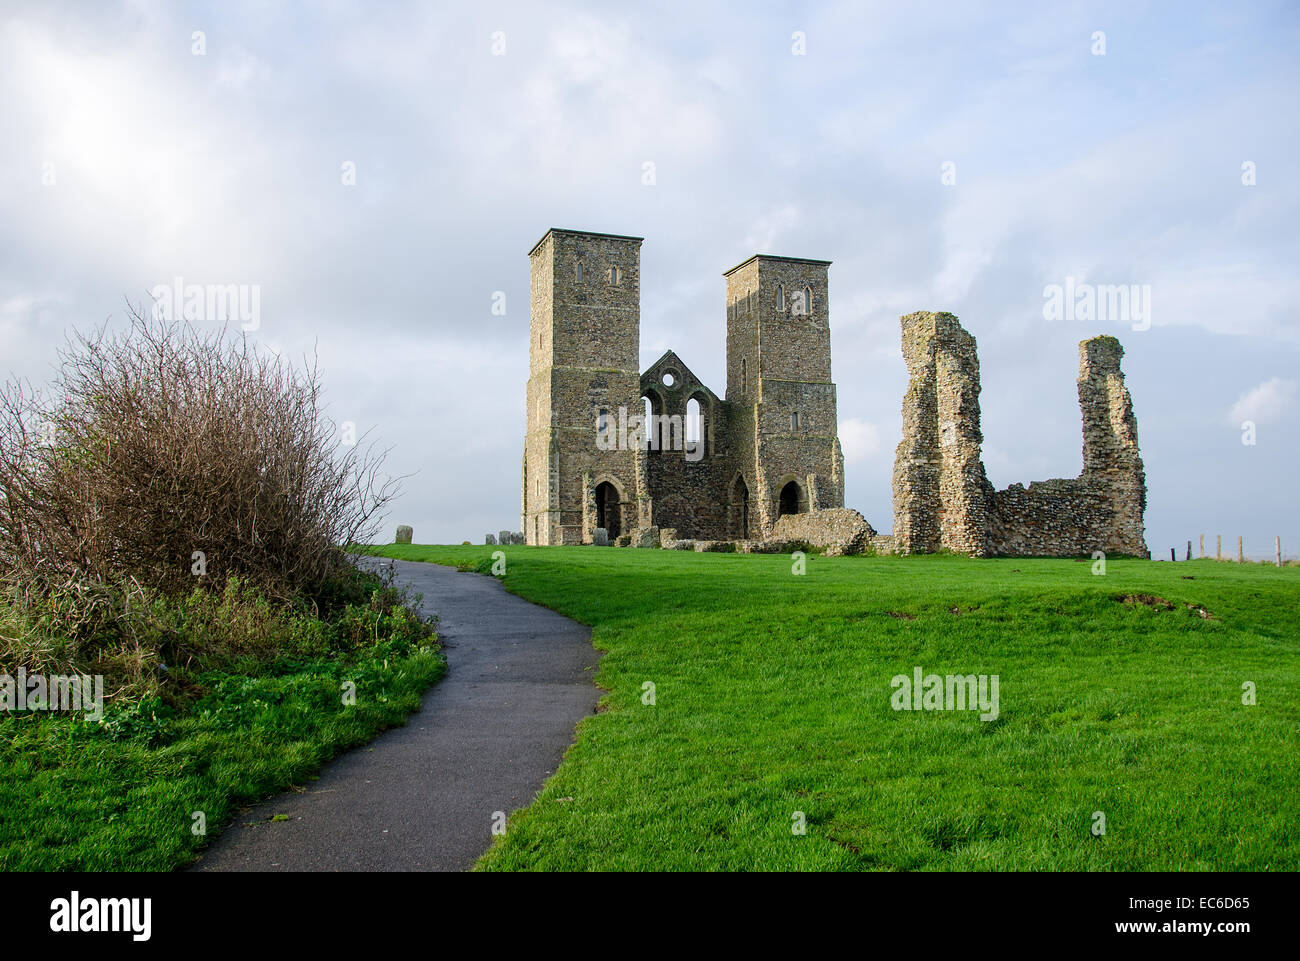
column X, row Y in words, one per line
column 607, row 509
column 789, row 503
column 739, row 509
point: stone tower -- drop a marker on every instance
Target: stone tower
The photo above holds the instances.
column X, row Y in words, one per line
column 584, row 339
column 785, row 446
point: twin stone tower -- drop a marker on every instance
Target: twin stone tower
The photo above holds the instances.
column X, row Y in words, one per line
column 614, row 454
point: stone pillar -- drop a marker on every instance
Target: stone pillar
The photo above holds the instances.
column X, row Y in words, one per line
column 814, row 493
column 588, row 508
column 1111, row 459
column 641, row 496
column 916, row 460
column 941, row 494
column 963, row 488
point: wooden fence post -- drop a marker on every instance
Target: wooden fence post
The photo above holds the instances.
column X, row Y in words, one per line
column 1218, row 547
column 1277, row 549
column 1240, row 556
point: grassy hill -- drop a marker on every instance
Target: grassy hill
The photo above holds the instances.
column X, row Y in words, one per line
column 1120, row 694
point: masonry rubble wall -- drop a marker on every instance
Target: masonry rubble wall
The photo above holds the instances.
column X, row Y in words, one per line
column 839, row 530
column 942, row 497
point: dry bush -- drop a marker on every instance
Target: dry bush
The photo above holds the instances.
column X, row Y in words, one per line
column 160, row 441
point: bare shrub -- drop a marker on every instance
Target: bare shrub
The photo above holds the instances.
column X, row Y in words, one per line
column 160, row 451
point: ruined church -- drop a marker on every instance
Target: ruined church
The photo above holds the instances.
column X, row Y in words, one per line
column 655, row 458
column 768, row 447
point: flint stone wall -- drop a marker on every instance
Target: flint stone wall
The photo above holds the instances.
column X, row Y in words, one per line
column 645, row 537
column 942, row 497
column 776, row 424
column 839, row 530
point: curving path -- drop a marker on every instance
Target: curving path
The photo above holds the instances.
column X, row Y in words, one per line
column 422, row 797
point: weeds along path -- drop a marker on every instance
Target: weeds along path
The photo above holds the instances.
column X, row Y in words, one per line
column 425, row 797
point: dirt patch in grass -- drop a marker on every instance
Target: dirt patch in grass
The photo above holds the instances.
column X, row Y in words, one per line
column 1146, row 600
column 1163, row 604
column 901, row 615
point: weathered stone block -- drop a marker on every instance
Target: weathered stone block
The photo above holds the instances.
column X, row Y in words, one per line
column 490, row 540
column 840, row 530
column 404, row 534
column 645, row 537
column 600, row 537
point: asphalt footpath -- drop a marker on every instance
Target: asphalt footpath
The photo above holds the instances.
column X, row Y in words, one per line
column 424, row 797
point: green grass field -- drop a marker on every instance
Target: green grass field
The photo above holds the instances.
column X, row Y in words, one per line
column 772, row 697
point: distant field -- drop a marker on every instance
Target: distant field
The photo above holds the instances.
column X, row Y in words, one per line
column 772, row 697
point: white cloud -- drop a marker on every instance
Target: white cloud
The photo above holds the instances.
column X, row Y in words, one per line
column 859, row 439
column 225, row 168
column 1271, row 401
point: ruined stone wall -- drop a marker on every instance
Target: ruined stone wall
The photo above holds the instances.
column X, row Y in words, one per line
column 840, row 530
column 688, row 488
column 1111, row 456
column 938, row 478
column 942, row 498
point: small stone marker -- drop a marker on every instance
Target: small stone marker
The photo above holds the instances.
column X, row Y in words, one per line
column 490, row 540
column 404, row 534
column 600, row 537
column 503, row 538
column 517, row 537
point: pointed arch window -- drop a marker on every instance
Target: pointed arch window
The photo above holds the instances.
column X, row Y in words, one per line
column 694, row 421
column 804, row 307
column 780, row 296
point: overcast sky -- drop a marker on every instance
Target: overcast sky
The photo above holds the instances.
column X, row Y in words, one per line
column 944, row 158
